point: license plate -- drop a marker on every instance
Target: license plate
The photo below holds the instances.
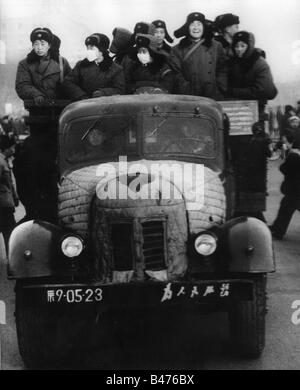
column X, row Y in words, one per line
column 74, row 295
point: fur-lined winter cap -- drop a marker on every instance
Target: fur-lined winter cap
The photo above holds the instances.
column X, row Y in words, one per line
column 39, row 34
column 146, row 40
column 244, row 36
column 184, row 30
column 226, row 20
column 141, row 28
column 99, row 40
column 162, row 24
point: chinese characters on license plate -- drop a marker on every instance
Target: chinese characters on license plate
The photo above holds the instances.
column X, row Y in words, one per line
column 76, row 295
column 173, row 291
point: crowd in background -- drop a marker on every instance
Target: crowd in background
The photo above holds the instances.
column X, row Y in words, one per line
column 286, row 124
column 283, row 120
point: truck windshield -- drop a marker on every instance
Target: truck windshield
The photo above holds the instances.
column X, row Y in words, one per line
column 179, row 135
column 106, row 137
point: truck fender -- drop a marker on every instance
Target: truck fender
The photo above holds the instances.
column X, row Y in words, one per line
column 249, row 246
column 34, row 250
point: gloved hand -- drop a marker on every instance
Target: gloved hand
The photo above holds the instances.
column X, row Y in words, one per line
column 39, row 100
column 98, row 93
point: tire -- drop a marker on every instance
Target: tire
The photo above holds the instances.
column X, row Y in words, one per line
column 247, row 321
column 48, row 337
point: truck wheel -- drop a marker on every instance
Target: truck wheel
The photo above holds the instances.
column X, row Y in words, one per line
column 47, row 337
column 247, row 321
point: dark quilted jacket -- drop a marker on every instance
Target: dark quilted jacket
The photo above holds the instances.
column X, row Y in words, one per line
column 88, row 77
column 203, row 73
column 40, row 78
column 251, row 78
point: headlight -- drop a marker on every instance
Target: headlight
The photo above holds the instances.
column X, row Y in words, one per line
column 72, row 246
column 205, row 244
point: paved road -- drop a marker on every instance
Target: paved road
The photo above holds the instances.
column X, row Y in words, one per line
column 191, row 341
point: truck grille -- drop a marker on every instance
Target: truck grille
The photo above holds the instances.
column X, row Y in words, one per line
column 154, row 245
column 121, row 236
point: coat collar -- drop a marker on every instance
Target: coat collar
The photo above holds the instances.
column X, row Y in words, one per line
column 248, row 62
column 52, row 68
column 104, row 65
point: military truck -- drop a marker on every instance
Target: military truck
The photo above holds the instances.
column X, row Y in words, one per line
column 146, row 210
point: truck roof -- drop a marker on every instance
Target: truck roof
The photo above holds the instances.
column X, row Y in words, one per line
column 143, row 103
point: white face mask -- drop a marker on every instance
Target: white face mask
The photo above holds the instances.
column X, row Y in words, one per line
column 91, row 55
column 144, row 58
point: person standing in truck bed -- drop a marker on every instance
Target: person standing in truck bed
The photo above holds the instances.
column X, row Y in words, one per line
column 249, row 76
column 39, row 78
column 97, row 75
column 199, row 62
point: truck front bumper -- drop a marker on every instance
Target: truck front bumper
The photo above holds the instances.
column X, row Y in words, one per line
column 137, row 294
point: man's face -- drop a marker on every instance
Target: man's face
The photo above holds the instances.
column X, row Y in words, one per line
column 160, row 34
column 196, row 29
column 231, row 30
column 41, row 47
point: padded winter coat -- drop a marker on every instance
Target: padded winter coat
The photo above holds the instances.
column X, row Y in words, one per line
column 157, row 74
column 251, row 78
column 36, row 77
column 203, row 73
column 88, row 77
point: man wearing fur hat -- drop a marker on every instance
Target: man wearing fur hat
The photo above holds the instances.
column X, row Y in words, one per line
column 227, row 25
column 198, row 61
column 97, row 75
column 162, row 35
column 39, row 78
column 149, row 66
column 250, row 76
column 39, row 75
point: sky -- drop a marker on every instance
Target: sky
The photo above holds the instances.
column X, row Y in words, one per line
column 275, row 24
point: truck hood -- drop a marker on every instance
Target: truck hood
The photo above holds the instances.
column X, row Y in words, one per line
column 198, row 186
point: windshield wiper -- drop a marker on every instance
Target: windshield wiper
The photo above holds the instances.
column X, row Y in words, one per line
column 91, row 128
column 157, row 127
